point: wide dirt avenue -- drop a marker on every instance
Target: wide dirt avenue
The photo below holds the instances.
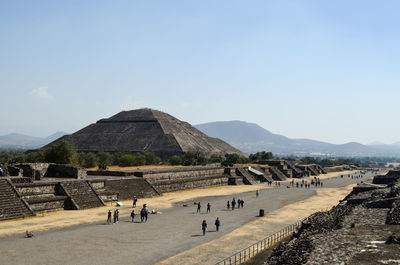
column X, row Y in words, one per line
column 175, row 230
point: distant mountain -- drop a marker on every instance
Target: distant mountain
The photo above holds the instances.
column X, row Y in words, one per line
column 251, row 138
column 22, row 141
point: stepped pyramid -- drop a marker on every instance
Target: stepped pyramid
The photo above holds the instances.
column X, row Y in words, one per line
column 146, row 130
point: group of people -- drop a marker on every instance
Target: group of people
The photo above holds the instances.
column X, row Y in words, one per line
column 239, row 202
column 110, row 214
column 144, row 212
column 199, row 207
column 204, row 225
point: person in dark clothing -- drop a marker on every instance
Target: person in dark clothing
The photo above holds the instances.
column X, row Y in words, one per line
column 228, row 206
column 256, row 193
column 134, row 201
column 109, row 217
column 142, row 213
column 242, row 203
column 208, row 207
column 217, row 224
column 233, row 204
column 133, row 215
column 198, row 207
column 115, row 216
column 238, row 202
column 204, row 227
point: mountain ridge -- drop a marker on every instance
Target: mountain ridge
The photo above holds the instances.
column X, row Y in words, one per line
column 239, row 134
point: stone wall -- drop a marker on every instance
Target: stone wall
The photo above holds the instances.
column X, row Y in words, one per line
column 166, row 180
column 34, row 171
column 42, row 196
column 65, row 171
column 123, row 189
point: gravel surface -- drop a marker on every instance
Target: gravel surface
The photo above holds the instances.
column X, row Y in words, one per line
column 164, row 235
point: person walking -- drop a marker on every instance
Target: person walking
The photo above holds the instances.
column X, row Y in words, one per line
column 204, row 227
column 109, row 217
column 142, row 215
column 233, row 204
column 133, row 215
column 217, row 224
column 238, row 202
column 198, row 207
column 208, row 207
column 256, row 193
column 242, row 203
column 115, row 216
column 134, row 201
column 228, row 206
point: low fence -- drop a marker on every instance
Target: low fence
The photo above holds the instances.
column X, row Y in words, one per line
column 249, row 252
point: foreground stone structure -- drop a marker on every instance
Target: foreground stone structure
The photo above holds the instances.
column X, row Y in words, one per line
column 362, row 229
column 35, row 188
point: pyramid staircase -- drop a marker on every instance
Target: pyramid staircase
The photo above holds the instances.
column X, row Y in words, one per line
column 267, row 177
column 11, row 204
column 247, row 177
column 82, row 194
column 277, row 174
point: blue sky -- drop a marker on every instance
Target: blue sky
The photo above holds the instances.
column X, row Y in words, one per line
column 325, row 70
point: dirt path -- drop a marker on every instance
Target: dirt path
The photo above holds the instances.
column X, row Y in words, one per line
column 61, row 219
column 259, row 229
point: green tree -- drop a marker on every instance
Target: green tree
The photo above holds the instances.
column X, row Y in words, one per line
column 104, row 160
column 35, row 157
column 126, row 160
column 88, row 159
column 215, row 159
column 62, row 153
column 175, row 160
column 151, row 158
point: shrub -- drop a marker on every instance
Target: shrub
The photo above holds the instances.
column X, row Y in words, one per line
column 175, row 160
column 62, row 153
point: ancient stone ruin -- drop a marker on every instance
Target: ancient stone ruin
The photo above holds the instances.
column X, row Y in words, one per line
column 32, row 188
column 146, row 130
column 362, row 229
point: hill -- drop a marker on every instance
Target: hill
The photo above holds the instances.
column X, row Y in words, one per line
column 251, row 138
column 23, row 142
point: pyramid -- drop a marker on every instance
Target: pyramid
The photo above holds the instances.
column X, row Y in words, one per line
column 146, row 130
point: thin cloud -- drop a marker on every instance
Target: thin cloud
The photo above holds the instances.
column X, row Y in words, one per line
column 41, row 92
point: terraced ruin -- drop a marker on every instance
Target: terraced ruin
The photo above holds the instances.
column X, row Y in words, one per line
column 363, row 229
column 28, row 189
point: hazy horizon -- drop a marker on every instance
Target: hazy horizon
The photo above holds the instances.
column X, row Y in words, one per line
column 320, row 70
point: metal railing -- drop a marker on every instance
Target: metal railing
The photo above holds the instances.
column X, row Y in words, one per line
column 251, row 251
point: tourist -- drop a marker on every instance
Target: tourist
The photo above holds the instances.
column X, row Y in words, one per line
column 204, row 227
column 109, row 217
column 217, row 224
column 134, row 201
column 208, row 207
column 242, row 203
column 238, row 202
column 256, row 193
column 115, row 216
column 142, row 213
column 198, row 207
column 133, row 215
column 233, row 204
column 228, row 206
